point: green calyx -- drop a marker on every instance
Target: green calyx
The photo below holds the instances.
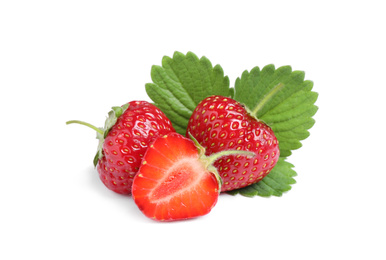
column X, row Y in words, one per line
column 209, row 160
column 101, row 132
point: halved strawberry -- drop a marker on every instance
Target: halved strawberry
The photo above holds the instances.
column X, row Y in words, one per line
column 176, row 180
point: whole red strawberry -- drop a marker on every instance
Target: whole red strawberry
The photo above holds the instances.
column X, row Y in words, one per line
column 176, row 180
column 124, row 140
column 220, row 123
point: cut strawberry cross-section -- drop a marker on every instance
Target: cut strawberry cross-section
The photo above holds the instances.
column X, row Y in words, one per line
column 176, row 180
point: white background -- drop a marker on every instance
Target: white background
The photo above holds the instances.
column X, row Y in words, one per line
column 63, row 60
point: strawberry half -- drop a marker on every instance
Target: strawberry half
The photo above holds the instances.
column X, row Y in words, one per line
column 220, row 123
column 176, row 180
column 124, row 140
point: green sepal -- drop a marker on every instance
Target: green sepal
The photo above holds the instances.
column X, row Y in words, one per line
column 111, row 120
column 96, row 158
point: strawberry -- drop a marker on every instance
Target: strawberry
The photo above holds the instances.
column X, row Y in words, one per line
column 220, row 123
column 176, row 180
column 124, row 140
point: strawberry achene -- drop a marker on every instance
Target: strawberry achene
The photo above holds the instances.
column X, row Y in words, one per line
column 220, row 123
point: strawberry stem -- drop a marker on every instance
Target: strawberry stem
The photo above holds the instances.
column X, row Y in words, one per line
column 209, row 160
column 266, row 98
column 200, row 148
column 86, row 124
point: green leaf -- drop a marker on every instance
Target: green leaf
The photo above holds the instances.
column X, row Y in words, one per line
column 279, row 97
column 278, row 181
column 282, row 99
column 182, row 82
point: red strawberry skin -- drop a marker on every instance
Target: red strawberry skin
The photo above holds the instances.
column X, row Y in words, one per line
column 219, row 123
column 126, row 143
column 173, row 183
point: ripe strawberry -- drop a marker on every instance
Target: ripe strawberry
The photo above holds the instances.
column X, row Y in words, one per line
column 176, row 180
column 219, row 123
column 124, row 140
